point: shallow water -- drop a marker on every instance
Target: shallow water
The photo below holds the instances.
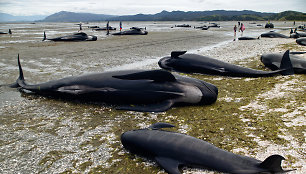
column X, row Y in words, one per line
column 40, row 135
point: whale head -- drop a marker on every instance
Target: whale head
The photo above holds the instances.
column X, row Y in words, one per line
column 135, row 141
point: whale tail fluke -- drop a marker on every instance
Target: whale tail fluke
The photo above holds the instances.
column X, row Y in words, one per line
column 20, row 80
column 286, row 64
column 273, row 164
column 45, row 37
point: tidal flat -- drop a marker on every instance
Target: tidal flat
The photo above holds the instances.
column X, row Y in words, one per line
column 256, row 117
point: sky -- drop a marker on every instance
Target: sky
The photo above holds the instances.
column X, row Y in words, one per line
column 132, row 7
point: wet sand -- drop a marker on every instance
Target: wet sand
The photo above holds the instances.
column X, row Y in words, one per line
column 254, row 117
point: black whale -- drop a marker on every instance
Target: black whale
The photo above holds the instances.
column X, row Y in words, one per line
column 172, row 150
column 193, row 63
column 132, row 31
column 150, row 91
column 273, row 34
column 75, row 37
column 273, row 62
column 301, row 41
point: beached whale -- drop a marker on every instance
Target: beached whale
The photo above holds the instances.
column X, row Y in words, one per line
column 172, row 150
column 193, row 63
column 9, row 32
column 273, row 61
column 149, row 91
column 247, row 38
column 183, row 25
column 297, row 34
column 105, row 28
column 273, row 34
column 269, row 25
column 213, row 25
column 132, row 31
column 75, row 37
column 301, row 41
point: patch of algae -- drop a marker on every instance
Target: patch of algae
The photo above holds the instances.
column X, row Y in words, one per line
column 291, row 46
column 223, row 123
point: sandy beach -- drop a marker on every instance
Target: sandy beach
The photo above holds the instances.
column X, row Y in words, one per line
column 255, row 117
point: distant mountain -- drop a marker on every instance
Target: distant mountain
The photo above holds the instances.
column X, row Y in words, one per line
column 215, row 15
column 65, row 16
column 10, row 18
column 193, row 15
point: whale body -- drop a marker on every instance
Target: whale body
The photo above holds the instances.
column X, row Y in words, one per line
column 273, row 61
column 132, row 31
column 193, row 63
column 273, row 34
column 81, row 36
column 148, row 90
column 172, row 150
column 301, row 41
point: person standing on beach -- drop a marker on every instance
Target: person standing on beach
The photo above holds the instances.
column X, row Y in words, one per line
column 235, row 29
column 242, row 28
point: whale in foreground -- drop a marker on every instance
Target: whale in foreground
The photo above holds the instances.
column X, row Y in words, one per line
column 193, row 63
column 273, row 61
column 172, row 150
column 147, row 91
column 81, row 36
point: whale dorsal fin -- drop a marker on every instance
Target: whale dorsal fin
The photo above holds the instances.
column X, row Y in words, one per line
column 156, row 75
column 176, row 54
column 286, row 64
column 170, row 165
column 160, row 125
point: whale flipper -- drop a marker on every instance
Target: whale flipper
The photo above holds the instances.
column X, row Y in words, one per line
column 160, row 125
column 159, row 107
column 156, row 75
column 170, row 165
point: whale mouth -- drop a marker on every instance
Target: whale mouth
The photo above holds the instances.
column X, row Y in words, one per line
column 210, row 93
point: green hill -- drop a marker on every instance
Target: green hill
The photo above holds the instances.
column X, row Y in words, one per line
column 289, row 15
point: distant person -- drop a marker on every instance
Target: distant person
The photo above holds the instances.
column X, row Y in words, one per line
column 238, row 25
column 293, row 22
column 10, row 31
column 235, row 30
column 242, row 28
